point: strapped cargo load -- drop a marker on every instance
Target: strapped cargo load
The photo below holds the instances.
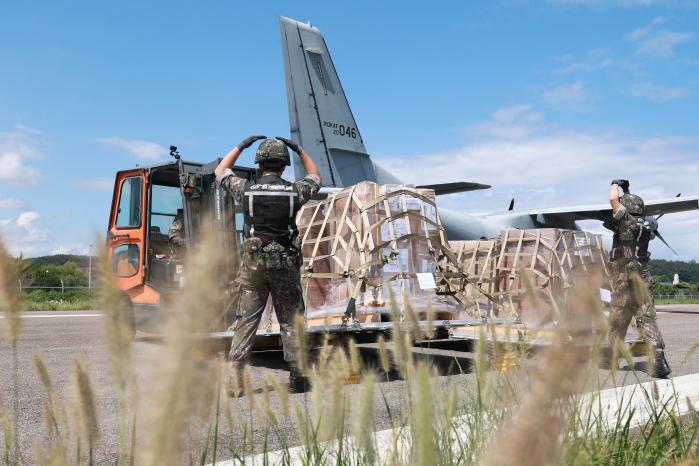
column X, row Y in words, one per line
column 368, row 244
column 369, row 250
column 529, row 272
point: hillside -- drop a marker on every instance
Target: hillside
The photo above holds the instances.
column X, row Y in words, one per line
column 664, row 270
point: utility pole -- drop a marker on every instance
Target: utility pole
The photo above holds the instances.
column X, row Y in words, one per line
column 89, row 270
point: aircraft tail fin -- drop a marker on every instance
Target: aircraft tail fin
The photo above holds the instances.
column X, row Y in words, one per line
column 320, row 117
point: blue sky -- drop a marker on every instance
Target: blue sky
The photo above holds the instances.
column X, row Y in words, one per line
column 545, row 100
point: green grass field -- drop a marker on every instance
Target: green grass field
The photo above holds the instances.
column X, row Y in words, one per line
column 55, row 300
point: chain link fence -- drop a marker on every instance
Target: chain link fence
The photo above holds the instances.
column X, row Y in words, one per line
column 676, row 298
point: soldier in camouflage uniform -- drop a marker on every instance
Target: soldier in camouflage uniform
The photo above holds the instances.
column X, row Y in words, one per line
column 271, row 259
column 175, row 234
column 630, row 277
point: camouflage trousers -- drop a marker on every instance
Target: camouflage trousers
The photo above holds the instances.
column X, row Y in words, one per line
column 253, row 287
column 631, row 299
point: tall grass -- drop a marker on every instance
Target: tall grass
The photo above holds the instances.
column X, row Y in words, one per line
column 543, row 411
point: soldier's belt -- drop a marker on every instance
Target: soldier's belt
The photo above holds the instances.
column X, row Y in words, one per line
column 259, row 220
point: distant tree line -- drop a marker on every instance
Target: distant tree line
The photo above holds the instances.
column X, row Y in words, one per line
column 663, row 272
column 73, row 270
column 49, row 271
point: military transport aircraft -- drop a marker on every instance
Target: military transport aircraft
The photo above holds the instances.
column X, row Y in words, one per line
column 323, row 124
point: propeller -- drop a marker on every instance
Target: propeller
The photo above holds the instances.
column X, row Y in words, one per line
column 652, row 224
column 512, row 205
column 660, row 237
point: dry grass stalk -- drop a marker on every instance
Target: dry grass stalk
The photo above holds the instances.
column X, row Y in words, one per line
column 424, row 446
column 119, row 331
column 175, row 388
column 328, row 394
column 87, row 412
column 355, row 358
column 300, row 349
column 267, row 407
column 383, row 356
column 248, row 387
column 119, row 328
column 411, row 318
column 11, row 304
column 51, row 399
column 534, row 434
column 282, row 391
column 10, row 294
column 363, row 419
column 227, row 387
column 402, row 344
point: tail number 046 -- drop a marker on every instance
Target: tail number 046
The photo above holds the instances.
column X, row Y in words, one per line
column 342, row 130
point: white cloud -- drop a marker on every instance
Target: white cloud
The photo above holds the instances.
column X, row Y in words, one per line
column 637, row 34
column 594, row 60
column 24, row 234
column 661, row 45
column 657, row 43
column 658, row 93
column 141, row 149
column 510, row 122
column 574, row 96
column 17, row 149
column 557, row 167
column 28, row 234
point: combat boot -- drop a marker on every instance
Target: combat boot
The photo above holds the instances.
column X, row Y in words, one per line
column 297, row 382
column 660, row 369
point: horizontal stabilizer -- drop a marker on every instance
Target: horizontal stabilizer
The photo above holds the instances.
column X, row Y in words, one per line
column 453, row 188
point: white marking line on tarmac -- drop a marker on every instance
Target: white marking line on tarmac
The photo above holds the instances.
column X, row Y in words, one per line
column 41, row 316
column 678, row 393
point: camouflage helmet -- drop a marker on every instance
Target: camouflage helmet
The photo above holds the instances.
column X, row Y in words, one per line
column 634, row 204
column 272, row 149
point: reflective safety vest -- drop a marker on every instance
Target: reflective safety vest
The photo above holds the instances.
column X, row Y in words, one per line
column 270, row 204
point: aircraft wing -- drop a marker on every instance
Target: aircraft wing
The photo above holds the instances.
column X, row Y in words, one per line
column 565, row 216
column 452, row 188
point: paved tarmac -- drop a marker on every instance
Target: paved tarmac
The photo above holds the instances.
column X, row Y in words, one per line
column 60, row 338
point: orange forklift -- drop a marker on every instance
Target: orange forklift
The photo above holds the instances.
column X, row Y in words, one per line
column 146, row 201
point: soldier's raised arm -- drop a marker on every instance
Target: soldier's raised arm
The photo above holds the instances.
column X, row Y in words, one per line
column 614, row 196
column 230, row 158
column 308, row 164
column 617, row 207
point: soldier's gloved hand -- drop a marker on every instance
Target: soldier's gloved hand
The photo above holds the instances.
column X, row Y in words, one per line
column 247, row 142
column 290, row 144
column 624, row 184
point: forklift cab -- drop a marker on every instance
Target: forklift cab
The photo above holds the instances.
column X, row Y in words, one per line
column 145, row 203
